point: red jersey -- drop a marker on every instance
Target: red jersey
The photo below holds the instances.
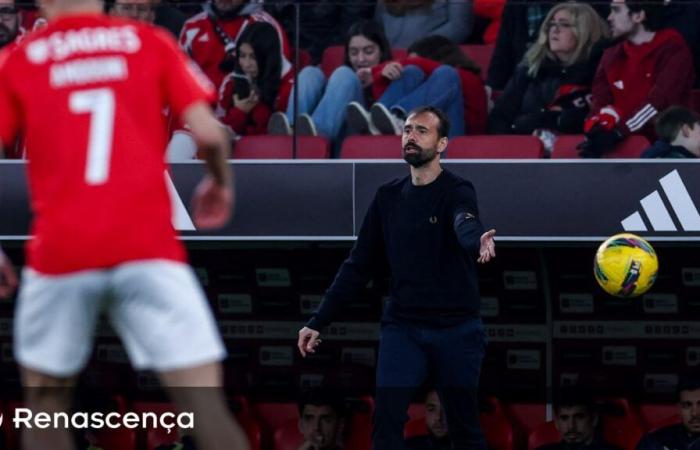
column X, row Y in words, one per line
column 201, row 41
column 87, row 91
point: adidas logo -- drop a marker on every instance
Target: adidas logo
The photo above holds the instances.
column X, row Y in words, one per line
column 658, row 214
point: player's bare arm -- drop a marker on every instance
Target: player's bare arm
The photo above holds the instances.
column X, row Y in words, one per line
column 213, row 199
column 8, row 277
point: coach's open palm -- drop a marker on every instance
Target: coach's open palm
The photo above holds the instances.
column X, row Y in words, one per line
column 487, row 248
column 212, row 204
column 8, row 278
column 308, row 341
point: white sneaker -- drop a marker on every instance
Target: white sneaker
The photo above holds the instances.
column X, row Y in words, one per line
column 359, row 120
column 305, row 125
column 385, row 121
column 278, row 125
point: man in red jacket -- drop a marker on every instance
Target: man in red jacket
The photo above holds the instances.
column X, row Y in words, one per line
column 648, row 70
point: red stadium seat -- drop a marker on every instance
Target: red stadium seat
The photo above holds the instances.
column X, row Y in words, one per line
column 287, row 436
column 655, row 416
column 371, row 147
column 525, row 417
column 632, row 147
column 115, row 439
column 622, row 431
column 274, row 415
column 480, row 54
column 280, row 147
column 333, row 57
column 415, row 427
column 498, row 431
column 495, row 147
column 543, row 434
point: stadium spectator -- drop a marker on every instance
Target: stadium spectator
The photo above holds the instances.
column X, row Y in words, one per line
column 10, row 20
column 648, row 71
column 425, row 227
column 134, row 9
column 210, row 36
column 685, row 435
column 438, row 437
column 321, row 419
column 254, row 90
column 678, row 129
column 576, row 420
column 436, row 73
column 406, row 21
column 520, row 27
column 551, row 88
column 322, row 24
column 322, row 104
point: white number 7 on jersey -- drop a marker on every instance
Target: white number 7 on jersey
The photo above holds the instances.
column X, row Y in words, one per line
column 100, row 104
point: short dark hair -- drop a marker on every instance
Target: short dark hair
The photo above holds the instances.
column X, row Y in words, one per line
column 444, row 123
column 670, row 122
column 687, row 383
column 574, row 396
column 654, row 10
column 319, row 396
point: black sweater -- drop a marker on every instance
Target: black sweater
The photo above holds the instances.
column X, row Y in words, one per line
column 429, row 235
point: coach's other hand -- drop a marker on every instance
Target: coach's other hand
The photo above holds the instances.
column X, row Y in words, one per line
column 308, row 341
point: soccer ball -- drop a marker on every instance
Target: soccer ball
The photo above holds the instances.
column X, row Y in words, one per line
column 625, row 265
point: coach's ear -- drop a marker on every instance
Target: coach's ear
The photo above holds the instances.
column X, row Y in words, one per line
column 442, row 144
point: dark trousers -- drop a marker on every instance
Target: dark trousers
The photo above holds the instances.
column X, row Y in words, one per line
column 452, row 357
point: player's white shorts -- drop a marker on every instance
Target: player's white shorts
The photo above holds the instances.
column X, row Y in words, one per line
column 157, row 307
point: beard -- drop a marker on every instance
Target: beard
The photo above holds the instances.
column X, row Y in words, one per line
column 420, row 157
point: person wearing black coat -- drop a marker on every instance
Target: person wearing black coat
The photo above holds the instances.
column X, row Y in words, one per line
column 551, row 88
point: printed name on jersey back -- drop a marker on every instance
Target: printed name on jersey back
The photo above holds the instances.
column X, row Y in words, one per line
column 88, row 70
column 60, row 45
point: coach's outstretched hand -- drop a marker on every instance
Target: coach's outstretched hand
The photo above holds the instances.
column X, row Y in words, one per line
column 8, row 278
column 212, row 204
column 308, row 341
column 487, row 250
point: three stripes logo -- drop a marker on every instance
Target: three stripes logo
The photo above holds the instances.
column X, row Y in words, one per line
column 658, row 214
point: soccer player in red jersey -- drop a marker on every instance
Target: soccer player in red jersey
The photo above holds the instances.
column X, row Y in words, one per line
column 87, row 91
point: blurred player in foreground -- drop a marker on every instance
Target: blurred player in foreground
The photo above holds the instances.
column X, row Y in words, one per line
column 87, row 91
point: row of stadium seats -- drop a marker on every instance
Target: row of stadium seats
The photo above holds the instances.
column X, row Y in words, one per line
column 389, row 147
column 273, row 426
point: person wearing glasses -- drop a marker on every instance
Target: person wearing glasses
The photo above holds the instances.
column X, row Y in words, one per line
column 552, row 85
column 134, row 9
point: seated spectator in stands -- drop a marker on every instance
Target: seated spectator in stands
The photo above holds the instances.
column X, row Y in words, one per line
column 322, row 23
column 134, row 9
column 648, row 71
column 321, row 419
column 10, row 20
column 576, row 421
column 550, row 89
column 210, row 36
column 436, row 73
column 322, row 103
column 254, row 90
column 520, row 25
column 678, row 129
column 406, row 21
column 685, row 435
column 435, row 421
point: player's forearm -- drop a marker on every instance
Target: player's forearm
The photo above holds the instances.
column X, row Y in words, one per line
column 216, row 154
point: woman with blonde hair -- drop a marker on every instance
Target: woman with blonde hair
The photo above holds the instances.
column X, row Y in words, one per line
column 551, row 88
